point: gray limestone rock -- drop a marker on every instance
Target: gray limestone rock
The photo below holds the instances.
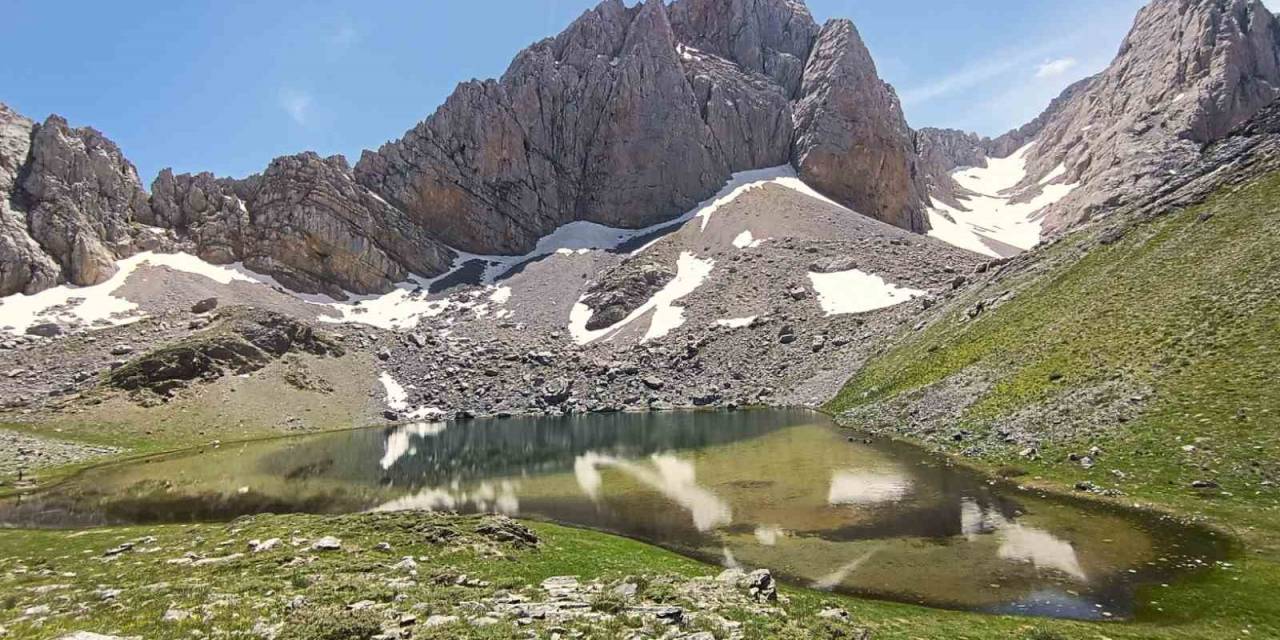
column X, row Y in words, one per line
column 768, row 37
column 304, row 221
column 81, row 197
column 852, row 142
column 1188, row 73
column 596, row 124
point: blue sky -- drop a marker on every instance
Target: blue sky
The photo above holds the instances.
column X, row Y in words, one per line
column 225, row 86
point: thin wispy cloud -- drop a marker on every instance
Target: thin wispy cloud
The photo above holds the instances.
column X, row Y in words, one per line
column 1055, row 68
column 976, row 74
column 297, row 104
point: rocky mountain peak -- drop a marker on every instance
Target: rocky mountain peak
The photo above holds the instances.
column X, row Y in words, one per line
column 852, row 141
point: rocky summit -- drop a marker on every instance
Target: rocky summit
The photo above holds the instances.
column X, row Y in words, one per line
column 676, row 329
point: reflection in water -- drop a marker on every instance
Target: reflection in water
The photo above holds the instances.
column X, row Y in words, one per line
column 841, row 575
column 776, row 489
column 670, row 476
column 768, row 535
column 484, row 499
column 399, row 442
column 856, row 488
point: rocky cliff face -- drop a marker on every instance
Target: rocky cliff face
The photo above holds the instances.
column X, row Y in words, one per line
column 24, row 266
column 852, row 142
column 766, row 37
column 69, row 201
column 629, row 117
column 941, row 152
column 81, row 196
column 1188, row 73
column 596, row 124
column 304, row 221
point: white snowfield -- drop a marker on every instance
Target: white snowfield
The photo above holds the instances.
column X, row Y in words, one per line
column 98, row 304
column 856, row 291
column 691, row 273
column 992, row 215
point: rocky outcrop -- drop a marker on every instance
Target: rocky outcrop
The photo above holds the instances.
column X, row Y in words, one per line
column 68, row 198
column 240, row 342
column 305, row 222
column 624, row 290
column 852, row 142
column 24, row 266
column 205, row 211
column 81, row 197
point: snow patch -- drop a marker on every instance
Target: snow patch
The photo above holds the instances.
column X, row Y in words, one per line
column 992, row 213
column 691, row 273
column 737, row 323
column 500, row 295
column 745, row 181
column 398, row 399
column 746, row 241
column 98, row 304
column 857, row 292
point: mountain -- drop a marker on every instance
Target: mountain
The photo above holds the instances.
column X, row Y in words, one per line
column 631, row 116
column 628, row 118
column 1188, row 73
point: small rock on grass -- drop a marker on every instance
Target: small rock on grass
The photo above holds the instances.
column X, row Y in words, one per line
column 327, row 543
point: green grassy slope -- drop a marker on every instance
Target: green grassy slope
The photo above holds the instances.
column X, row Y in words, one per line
column 1186, row 306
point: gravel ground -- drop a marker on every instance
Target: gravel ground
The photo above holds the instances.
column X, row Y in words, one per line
column 21, row 453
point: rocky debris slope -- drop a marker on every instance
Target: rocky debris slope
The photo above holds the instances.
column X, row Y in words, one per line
column 623, row 290
column 21, row 453
column 239, row 342
column 754, row 332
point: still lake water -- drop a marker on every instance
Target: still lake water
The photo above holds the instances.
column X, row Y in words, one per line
column 780, row 489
